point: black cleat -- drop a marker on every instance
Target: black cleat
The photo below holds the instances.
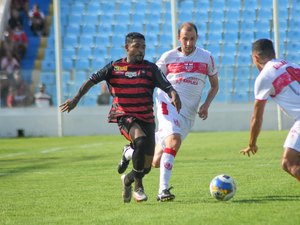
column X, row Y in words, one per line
column 165, row 195
column 123, row 164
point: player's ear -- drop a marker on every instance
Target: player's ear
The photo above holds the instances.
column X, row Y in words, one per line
column 255, row 58
column 126, row 47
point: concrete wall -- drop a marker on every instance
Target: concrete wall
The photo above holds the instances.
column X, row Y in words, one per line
column 93, row 120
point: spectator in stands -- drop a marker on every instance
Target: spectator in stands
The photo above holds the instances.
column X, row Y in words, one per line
column 9, row 64
column 22, row 95
column 21, row 6
column 4, row 88
column 37, row 20
column 41, row 98
column 20, row 40
column 10, row 98
column 278, row 80
column 7, row 45
column 14, row 19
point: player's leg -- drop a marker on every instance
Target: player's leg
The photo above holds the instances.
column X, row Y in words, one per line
column 291, row 157
column 291, row 162
column 133, row 132
column 157, row 155
column 172, row 145
column 127, row 152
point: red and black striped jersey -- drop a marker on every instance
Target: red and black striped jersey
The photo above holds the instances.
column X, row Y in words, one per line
column 132, row 87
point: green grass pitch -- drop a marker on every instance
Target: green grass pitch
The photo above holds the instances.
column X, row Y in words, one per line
column 73, row 180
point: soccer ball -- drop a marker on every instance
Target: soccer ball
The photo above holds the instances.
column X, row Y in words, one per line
column 222, row 187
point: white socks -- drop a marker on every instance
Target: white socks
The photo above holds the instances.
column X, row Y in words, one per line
column 166, row 165
column 128, row 153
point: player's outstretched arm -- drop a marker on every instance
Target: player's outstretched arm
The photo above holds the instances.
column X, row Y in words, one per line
column 255, row 127
column 70, row 104
column 249, row 149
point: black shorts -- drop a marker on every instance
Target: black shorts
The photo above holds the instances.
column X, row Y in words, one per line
column 126, row 122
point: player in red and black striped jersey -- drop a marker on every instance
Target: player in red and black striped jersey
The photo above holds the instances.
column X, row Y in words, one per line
column 131, row 82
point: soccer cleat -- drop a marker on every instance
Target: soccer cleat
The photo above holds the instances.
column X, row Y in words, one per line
column 139, row 195
column 126, row 193
column 165, row 195
column 123, row 164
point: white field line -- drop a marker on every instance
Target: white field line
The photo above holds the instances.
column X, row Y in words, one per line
column 51, row 150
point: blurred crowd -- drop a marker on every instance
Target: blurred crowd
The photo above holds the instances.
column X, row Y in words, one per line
column 14, row 91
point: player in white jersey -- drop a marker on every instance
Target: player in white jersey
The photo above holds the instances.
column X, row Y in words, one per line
column 187, row 68
column 279, row 80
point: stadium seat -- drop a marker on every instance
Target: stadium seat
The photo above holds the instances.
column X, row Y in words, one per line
column 67, row 64
column 47, row 78
column 137, row 18
column 226, row 28
column 82, row 64
column 122, row 18
column 88, row 29
column 69, row 53
column 230, row 36
column 215, row 26
column 120, row 29
column 185, row 16
column 86, row 40
column 74, row 21
column 136, row 27
column 97, row 63
column 107, row 6
column 214, row 37
column 216, row 16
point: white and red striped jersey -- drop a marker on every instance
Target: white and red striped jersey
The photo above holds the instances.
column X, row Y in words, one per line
column 187, row 74
column 280, row 80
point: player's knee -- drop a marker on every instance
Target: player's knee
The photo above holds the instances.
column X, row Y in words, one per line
column 147, row 170
column 285, row 164
column 156, row 161
column 173, row 141
column 140, row 144
column 155, row 164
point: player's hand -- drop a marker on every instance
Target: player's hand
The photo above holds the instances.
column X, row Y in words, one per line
column 203, row 112
column 176, row 100
column 248, row 150
column 68, row 105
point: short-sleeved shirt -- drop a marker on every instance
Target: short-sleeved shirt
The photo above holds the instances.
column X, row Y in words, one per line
column 132, row 87
column 187, row 74
column 280, row 80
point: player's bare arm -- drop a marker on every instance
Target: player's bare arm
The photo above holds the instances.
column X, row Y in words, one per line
column 175, row 99
column 214, row 88
column 70, row 104
column 255, row 127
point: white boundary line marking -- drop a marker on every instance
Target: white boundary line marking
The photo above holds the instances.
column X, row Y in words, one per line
column 50, row 150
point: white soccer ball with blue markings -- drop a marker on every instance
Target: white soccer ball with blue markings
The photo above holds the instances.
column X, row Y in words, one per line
column 222, row 187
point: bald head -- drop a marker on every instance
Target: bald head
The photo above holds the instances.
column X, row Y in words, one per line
column 189, row 27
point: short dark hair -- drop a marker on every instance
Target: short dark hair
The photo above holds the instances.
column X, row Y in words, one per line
column 133, row 35
column 264, row 48
column 190, row 25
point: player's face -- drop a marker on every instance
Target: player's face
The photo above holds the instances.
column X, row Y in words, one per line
column 136, row 51
column 187, row 39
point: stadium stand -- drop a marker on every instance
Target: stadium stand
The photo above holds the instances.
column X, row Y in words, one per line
column 93, row 34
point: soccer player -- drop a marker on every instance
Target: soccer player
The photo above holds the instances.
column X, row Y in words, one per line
column 131, row 82
column 279, row 80
column 187, row 68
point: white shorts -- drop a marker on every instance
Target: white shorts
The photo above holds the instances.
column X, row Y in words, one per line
column 170, row 122
column 293, row 138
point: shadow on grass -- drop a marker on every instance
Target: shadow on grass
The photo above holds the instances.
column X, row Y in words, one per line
column 36, row 164
column 270, row 198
